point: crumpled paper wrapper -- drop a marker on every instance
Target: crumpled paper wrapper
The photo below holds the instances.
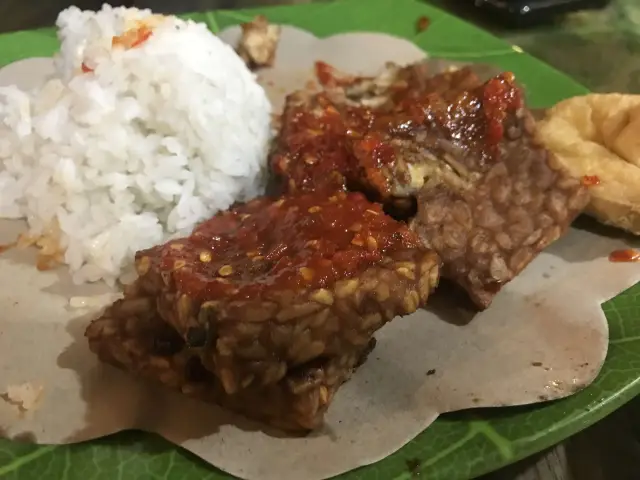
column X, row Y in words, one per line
column 545, row 336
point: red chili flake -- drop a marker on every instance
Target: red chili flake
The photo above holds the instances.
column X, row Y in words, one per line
column 86, row 69
column 378, row 152
column 500, row 95
column 143, row 35
column 590, row 180
column 624, row 256
column 132, row 38
column 423, row 23
column 324, row 73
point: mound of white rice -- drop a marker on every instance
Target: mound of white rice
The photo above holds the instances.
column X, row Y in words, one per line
column 139, row 137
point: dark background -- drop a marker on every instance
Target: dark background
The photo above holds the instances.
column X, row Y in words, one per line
column 28, row 14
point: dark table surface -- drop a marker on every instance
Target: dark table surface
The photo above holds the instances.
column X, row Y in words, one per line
column 599, row 49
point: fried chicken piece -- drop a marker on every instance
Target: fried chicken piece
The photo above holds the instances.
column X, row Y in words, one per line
column 259, row 42
column 350, row 135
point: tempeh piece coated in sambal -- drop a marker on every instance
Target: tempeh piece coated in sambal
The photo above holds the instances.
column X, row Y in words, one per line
column 145, row 345
column 505, row 198
column 273, row 284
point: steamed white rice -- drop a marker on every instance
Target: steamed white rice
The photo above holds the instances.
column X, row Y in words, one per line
column 143, row 144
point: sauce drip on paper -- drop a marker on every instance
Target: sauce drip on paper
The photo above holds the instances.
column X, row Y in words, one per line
column 423, row 23
column 625, row 256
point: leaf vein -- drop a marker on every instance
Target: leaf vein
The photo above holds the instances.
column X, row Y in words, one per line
column 502, row 444
column 24, row 459
column 212, row 21
column 494, row 53
column 234, row 15
column 440, row 455
column 618, row 341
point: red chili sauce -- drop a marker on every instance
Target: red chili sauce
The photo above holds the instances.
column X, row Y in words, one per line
column 306, row 241
column 331, row 145
column 590, row 180
column 626, row 255
column 316, row 150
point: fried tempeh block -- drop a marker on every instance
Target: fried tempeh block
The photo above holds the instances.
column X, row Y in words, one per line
column 148, row 347
column 274, row 284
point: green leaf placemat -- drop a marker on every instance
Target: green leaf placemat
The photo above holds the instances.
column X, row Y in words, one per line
column 457, row 446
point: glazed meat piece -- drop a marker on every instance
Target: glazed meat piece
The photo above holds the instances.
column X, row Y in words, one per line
column 146, row 346
column 358, row 133
column 274, row 284
column 505, row 197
